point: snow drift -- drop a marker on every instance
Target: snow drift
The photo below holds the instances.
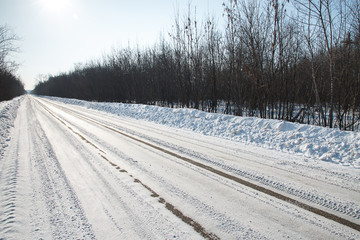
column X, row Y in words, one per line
column 331, row 145
column 8, row 112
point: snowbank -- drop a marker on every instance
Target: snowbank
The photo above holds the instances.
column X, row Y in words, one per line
column 326, row 144
column 8, row 112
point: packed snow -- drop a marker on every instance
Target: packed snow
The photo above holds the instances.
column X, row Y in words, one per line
column 319, row 143
column 88, row 170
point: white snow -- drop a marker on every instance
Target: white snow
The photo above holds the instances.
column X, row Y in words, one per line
column 8, row 112
column 74, row 169
column 319, row 143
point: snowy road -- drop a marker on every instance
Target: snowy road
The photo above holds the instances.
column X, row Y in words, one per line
column 69, row 172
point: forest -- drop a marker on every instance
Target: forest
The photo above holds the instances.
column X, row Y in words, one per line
column 10, row 85
column 296, row 60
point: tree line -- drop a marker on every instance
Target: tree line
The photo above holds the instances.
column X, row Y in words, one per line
column 297, row 61
column 10, row 85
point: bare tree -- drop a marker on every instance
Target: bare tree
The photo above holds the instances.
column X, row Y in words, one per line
column 10, row 85
column 327, row 17
column 266, row 63
column 213, row 49
column 8, row 46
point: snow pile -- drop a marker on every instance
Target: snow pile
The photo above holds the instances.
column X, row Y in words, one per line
column 326, row 144
column 8, row 112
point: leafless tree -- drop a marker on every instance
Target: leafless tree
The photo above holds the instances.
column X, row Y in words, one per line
column 329, row 18
column 302, row 65
column 8, row 46
column 10, row 85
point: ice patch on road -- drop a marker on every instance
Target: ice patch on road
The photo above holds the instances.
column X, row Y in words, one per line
column 325, row 144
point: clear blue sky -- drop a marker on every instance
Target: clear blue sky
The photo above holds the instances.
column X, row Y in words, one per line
column 56, row 34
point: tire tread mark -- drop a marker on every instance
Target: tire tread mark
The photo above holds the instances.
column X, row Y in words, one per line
column 267, row 191
column 195, row 225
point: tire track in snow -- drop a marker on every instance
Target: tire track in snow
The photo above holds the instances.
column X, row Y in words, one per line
column 34, row 194
column 9, row 165
column 65, row 214
column 224, row 222
column 8, row 181
column 349, row 209
column 324, row 200
column 249, row 184
column 226, row 151
column 194, row 224
column 244, row 182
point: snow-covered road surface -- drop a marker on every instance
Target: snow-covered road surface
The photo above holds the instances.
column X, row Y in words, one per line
column 67, row 172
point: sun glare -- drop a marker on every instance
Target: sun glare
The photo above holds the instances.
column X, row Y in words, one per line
column 55, row 6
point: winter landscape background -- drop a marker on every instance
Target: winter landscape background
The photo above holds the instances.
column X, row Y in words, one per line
column 239, row 126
